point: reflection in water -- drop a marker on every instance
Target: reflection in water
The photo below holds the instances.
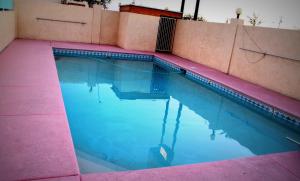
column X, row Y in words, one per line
column 162, row 155
column 127, row 115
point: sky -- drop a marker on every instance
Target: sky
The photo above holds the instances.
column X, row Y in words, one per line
column 269, row 11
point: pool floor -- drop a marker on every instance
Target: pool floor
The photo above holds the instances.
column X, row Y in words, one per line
column 131, row 115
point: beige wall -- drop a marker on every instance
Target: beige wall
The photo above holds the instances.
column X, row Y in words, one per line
column 7, row 28
column 122, row 32
column 101, row 26
column 109, row 27
column 278, row 74
column 209, row 44
column 96, row 24
column 30, row 27
column 138, row 32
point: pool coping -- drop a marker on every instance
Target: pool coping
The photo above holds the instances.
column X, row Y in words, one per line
column 286, row 163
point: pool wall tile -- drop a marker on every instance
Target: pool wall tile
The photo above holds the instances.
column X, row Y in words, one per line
column 165, row 64
column 102, row 54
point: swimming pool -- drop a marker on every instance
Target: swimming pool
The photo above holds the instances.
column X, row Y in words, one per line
column 129, row 115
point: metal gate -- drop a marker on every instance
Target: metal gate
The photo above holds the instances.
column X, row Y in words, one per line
column 165, row 35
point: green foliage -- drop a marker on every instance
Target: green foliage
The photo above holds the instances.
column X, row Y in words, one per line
column 254, row 20
column 190, row 17
column 91, row 3
column 201, row 18
column 104, row 3
column 187, row 17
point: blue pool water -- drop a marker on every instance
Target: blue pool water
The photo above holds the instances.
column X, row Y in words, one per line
column 129, row 115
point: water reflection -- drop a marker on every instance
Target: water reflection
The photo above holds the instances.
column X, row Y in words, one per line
column 162, row 155
column 135, row 115
column 127, row 84
column 148, row 83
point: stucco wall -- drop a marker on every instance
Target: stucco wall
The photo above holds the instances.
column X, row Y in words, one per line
column 101, row 26
column 138, row 32
column 109, row 27
column 279, row 74
column 96, row 24
column 122, row 32
column 30, row 27
column 7, row 28
column 209, row 44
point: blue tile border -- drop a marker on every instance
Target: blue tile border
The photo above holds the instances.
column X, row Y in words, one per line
column 256, row 105
column 102, row 54
column 166, row 64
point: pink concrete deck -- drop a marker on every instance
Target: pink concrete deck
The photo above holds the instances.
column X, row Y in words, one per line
column 35, row 137
column 34, row 132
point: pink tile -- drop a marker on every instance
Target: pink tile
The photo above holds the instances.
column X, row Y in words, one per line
column 27, row 100
column 67, row 178
column 35, row 147
column 248, row 169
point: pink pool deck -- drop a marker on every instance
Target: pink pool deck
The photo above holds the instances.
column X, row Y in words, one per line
column 35, row 138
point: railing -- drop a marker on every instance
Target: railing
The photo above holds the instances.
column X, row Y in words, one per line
column 265, row 53
column 63, row 21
